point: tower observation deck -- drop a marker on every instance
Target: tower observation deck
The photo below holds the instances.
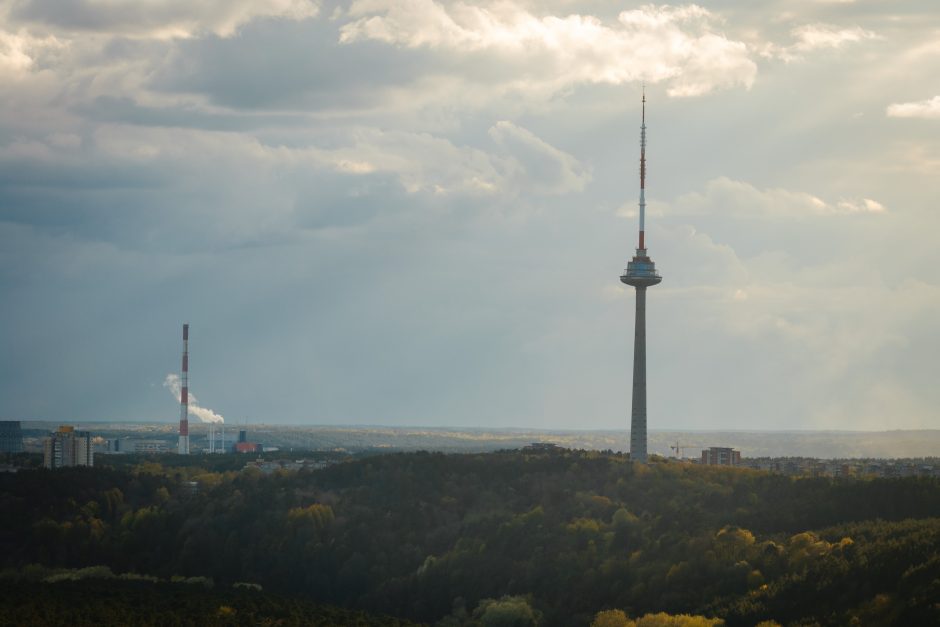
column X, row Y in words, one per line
column 641, row 274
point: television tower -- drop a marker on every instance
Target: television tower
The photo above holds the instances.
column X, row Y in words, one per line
column 184, row 396
column 640, row 273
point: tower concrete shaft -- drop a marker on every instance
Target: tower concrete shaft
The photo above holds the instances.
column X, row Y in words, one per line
column 638, row 413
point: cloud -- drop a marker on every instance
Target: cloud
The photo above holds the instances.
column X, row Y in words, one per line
column 424, row 163
column 125, row 110
column 821, row 36
column 302, row 70
column 114, row 182
column 730, row 197
column 536, row 164
column 782, row 281
column 817, row 36
column 927, row 109
column 677, row 45
column 19, row 50
column 158, row 19
column 419, row 200
column 861, row 205
column 828, row 337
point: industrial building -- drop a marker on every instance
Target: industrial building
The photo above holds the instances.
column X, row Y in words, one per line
column 244, row 446
column 67, row 447
column 125, row 445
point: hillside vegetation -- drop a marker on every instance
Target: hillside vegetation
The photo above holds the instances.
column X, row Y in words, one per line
column 563, row 538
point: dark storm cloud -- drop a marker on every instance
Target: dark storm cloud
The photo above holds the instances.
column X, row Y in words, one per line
column 84, row 173
column 86, row 195
column 76, row 14
column 160, row 18
column 277, row 65
column 124, row 110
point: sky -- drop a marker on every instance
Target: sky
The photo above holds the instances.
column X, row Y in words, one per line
column 416, row 212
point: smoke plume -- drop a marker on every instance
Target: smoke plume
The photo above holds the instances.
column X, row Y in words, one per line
column 172, row 383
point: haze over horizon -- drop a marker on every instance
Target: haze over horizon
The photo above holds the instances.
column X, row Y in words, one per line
column 434, row 426
column 416, row 213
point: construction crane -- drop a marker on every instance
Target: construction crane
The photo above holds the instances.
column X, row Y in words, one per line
column 678, row 449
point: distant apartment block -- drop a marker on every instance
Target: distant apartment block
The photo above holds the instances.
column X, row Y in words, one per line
column 11, row 436
column 721, row 456
column 68, row 447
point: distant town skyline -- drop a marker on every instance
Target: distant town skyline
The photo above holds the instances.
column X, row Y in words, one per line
column 413, row 213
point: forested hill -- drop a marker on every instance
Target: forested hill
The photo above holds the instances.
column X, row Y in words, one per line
column 547, row 538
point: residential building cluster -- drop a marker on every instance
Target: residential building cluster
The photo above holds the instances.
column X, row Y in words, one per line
column 814, row 467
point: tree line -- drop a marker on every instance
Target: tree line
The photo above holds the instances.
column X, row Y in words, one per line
column 553, row 538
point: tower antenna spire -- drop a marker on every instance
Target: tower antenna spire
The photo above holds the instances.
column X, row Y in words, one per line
column 642, row 245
